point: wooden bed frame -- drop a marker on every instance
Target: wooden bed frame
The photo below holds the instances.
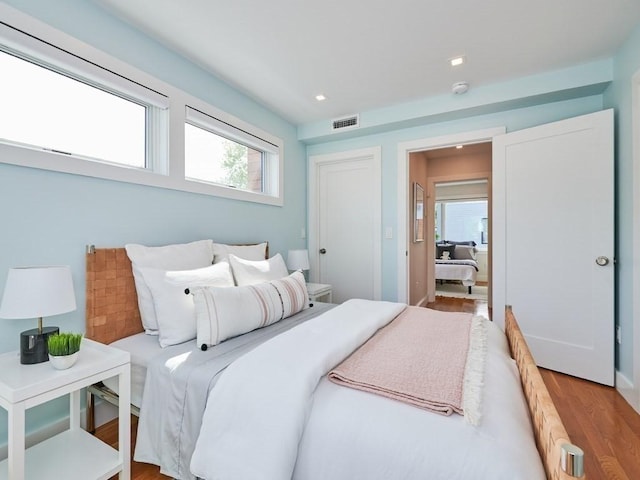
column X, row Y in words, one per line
column 112, row 313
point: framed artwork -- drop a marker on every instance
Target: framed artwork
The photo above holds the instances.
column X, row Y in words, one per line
column 418, row 213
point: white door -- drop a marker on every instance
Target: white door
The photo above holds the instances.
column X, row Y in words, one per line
column 553, row 241
column 344, row 223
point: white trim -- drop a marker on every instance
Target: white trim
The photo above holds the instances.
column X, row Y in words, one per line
column 375, row 155
column 635, row 309
column 404, row 149
column 169, row 176
column 626, row 390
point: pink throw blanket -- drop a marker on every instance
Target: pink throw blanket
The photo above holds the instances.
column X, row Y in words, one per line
column 421, row 358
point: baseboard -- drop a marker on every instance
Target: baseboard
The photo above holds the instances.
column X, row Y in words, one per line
column 423, row 301
column 625, row 387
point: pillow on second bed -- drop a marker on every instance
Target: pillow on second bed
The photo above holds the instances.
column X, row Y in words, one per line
column 249, row 272
column 465, row 252
column 223, row 313
column 175, row 311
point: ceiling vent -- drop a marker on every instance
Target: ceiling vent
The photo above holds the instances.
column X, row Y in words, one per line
column 352, row 121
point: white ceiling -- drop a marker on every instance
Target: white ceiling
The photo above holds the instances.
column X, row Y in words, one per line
column 365, row 54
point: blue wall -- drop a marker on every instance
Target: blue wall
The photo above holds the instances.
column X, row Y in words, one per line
column 512, row 119
column 48, row 217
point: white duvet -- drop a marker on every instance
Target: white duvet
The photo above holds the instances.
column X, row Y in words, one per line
column 274, row 416
column 456, row 271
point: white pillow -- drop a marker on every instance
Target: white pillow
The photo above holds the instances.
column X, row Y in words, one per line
column 223, row 313
column 221, row 251
column 170, row 257
column 250, row 272
column 174, row 309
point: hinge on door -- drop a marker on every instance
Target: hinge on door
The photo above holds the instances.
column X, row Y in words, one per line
column 406, row 253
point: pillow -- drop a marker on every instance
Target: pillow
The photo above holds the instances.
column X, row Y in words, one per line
column 249, row 272
column 170, row 257
column 174, row 309
column 467, row 242
column 222, row 313
column 440, row 249
column 221, row 251
column 465, row 252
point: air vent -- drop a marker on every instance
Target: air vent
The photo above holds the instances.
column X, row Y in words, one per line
column 352, row 121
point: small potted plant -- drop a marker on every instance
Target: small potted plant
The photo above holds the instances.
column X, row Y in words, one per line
column 64, row 349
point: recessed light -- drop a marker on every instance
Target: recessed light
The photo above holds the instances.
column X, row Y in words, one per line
column 320, row 97
column 456, row 61
column 458, row 147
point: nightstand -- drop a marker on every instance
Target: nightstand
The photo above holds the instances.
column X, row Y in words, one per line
column 74, row 453
column 319, row 292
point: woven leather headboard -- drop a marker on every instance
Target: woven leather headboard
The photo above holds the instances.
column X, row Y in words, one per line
column 112, row 302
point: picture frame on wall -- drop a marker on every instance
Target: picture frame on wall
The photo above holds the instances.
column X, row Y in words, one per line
column 418, row 213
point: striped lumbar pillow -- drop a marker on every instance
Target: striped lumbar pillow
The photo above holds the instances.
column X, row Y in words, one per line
column 223, row 313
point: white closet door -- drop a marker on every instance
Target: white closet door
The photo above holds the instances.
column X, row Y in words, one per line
column 344, row 223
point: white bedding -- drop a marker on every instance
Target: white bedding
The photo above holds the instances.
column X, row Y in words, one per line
column 177, row 386
column 282, row 420
column 450, row 270
column 142, row 348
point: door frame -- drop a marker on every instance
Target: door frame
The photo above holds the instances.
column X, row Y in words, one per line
column 431, row 204
column 374, row 155
column 631, row 391
column 404, row 149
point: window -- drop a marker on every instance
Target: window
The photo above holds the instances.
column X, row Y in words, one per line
column 45, row 109
column 58, row 102
column 461, row 220
column 219, row 153
column 67, row 107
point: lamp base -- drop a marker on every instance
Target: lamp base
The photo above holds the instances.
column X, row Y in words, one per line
column 33, row 345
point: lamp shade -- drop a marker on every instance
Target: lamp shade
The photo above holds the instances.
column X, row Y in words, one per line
column 33, row 292
column 298, row 260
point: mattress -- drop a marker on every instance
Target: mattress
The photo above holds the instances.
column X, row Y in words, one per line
column 456, row 271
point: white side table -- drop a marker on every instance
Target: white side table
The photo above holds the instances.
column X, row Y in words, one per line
column 74, row 453
column 319, row 292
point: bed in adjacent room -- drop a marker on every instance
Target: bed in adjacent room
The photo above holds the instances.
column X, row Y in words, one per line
column 254, row 400
column 456, row 261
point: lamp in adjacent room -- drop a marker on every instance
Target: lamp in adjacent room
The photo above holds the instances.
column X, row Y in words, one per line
column 36, row 292
column 298, row 260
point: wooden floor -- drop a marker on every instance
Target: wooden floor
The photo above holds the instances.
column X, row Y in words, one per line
column 597, row 418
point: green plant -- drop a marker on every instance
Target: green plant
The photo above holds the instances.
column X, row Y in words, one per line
column 64, row 343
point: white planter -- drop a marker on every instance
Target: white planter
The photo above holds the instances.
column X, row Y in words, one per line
column 63, row 362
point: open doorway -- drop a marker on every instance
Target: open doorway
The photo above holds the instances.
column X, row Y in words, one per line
column 457, row 183
column 461, row 217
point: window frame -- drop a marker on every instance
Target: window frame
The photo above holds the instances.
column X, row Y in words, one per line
column 441, row 220
column 33, row 39
column 237, row 131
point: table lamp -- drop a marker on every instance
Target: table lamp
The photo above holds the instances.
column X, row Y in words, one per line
column 36, row 292
column 298, row 260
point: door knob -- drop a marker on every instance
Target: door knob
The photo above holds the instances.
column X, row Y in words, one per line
column 602, row 261
column 323, row 251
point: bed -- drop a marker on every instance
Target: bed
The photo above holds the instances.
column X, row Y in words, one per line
column 456, row 261
column 111, row 316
